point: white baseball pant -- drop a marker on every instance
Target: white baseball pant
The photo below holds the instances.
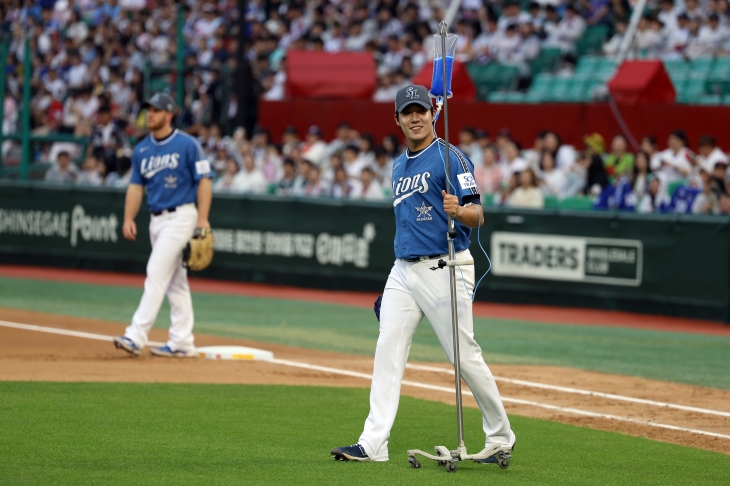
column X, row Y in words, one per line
column 412, row 291
column 169, row 233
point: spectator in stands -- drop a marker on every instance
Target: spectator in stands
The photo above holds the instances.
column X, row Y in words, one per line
column 553, row 181
column 668, row 14
column 343, row 186
column 641, row 174
column 533, row 155
column 512, row 14
column 612, row 46
column 676, row 161
column 311, row 185
column 353, row 164
column 564, row 154
column 123, row 175
column 469, row 145
column 369, row 187
column 595, row 177
column 272, row 165
column 512, row 162
column 383, row 167
column 224, row 183
column 250, row 180
column 489, row 176
column 106, row 138
column 709, row 38
column 596, row 12
column 567, row 32
column 528, row 194
column 392, row 147
column 710, row 154
column 650, row 145
column 724, row 204
column 90, row 174
column 62, row 171
column 620, row 161
column 655, row 199
column 285, row 186
column 314, row 149
column 341, row 140
column 708, row 200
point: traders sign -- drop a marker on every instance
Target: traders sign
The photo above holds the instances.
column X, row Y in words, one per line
column 554, row 257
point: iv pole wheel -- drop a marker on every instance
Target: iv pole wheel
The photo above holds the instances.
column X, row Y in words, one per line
column 415, row 463
column 451, row 466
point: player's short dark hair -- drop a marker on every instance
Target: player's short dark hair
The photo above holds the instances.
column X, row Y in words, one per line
column 290, row 161
column 707, row 141
column 63, row 153
column 380, row 151
column 651, row 139
column 353, row 148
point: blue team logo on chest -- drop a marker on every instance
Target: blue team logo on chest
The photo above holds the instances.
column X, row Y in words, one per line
column 405, row 187
column 156, row 163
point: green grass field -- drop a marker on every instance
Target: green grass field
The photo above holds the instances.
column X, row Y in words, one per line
column 686, row 358
column 103, row 433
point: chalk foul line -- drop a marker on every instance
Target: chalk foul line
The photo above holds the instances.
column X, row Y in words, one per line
column 366, row 376
column 578, row 391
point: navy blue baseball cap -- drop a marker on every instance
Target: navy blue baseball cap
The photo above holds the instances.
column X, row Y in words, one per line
column 412, row 94
column 161, row 101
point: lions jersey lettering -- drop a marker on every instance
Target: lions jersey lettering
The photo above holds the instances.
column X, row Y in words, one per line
column 170, row 169
column 418, row 179
column 155, row 164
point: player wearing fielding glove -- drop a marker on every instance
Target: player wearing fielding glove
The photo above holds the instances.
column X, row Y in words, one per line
column 419, row 282
column 173, row 167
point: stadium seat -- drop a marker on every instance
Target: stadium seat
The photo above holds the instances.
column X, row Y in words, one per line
column 709, row 99
column 577, row 202
column 546, row 61
column 551, row 202
column 587, row 64
column 561, row 89
column 701, row 67
column 673, row 186
column 592, row 40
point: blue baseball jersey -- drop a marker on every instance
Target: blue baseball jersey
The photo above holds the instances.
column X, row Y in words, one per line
column 418, row 179
column 170, row 169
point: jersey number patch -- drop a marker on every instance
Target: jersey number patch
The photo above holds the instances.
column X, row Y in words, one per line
column 202, row 167
column 466, row 181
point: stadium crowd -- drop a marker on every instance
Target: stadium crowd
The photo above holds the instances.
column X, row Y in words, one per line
column 685, row 29
column 87, row 79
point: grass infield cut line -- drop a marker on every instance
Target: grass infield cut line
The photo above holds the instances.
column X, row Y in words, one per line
column 296, row 364
column 578, row 391
column 506, row 399
column 544, row 314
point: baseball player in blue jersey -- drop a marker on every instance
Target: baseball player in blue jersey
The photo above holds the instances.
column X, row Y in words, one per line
column 173, row 168
column 419, row 283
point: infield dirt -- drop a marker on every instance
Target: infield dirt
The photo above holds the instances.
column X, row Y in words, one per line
column 37, row 356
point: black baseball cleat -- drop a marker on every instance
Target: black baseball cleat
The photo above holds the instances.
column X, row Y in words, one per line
column 354, row 452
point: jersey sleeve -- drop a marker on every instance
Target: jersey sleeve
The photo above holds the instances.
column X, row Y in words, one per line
column 137, row 168
column 462, row 178
column 199, row 161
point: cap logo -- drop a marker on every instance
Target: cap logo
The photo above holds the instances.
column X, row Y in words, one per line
column 411, row 93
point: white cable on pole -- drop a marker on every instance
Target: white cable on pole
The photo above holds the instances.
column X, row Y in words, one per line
column 628, row 39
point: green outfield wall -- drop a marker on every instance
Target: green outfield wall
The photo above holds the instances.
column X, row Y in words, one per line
column 666, row 264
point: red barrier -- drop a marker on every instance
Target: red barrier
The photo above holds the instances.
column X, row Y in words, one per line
column 330, row 75
column 642, row 82
column 571, row 121
column 460, row 80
